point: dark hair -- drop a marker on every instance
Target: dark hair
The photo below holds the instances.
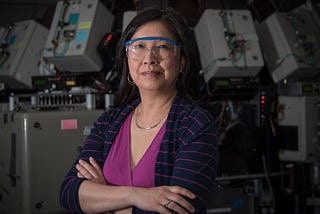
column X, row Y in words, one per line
column 188, row 80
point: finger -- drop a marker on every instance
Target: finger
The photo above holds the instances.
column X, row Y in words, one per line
column 86, row 174
column 80, row 175
column 180, row 204
column 171, row 205
column 96, row 166
column 182, row 191
column 89, row 168
column 83, row 172
column 179, row 200
column 163, row 209
column 183, row 204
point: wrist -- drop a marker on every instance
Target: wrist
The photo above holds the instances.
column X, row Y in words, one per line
column 132, row 195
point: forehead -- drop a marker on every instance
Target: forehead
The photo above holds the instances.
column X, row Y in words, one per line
column 154, row 29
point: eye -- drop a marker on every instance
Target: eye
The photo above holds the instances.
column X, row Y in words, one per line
column 164, row 46
column 138, row 46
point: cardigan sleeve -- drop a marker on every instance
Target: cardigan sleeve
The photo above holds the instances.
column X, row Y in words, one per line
column 189, row 155
column 93, row 146
column 196, row 159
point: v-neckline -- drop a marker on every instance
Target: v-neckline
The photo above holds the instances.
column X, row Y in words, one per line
column 132, row 169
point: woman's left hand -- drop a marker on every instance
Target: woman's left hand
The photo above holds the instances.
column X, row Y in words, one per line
column 91, row 171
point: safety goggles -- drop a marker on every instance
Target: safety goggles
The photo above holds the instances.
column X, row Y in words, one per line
column 162, row 48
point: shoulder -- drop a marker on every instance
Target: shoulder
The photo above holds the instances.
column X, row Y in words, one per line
column 118, row 114
column 192, row 111
column 188, row 122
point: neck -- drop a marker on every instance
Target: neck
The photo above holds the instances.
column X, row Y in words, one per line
column 151, row 106
column 150, row 111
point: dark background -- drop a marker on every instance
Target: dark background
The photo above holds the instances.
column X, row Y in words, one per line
column 43, row 10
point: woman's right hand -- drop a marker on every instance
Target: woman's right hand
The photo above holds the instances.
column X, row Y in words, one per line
column 91, row 171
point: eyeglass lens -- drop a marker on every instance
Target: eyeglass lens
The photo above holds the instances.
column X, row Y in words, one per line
column 161, row 49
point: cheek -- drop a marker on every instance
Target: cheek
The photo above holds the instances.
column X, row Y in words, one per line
column 176, row 63
column 173, row 67
column 133, row 68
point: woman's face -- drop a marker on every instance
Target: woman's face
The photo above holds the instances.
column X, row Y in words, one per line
column 154, row 58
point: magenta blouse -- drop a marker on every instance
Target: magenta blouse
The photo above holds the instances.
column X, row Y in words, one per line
column 117, row 167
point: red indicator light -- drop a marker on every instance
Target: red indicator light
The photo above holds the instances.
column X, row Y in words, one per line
column 107, row 40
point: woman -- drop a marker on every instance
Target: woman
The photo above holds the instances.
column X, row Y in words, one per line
column 156, row 151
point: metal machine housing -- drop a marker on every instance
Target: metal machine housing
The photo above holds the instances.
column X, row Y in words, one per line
column 24, row 43
column 298, row 127
column 85, row 23
column 211, row 37
column 37, row 148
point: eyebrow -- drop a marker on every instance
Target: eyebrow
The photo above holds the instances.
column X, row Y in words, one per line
column 174, row 42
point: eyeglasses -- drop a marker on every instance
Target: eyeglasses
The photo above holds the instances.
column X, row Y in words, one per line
column 164, row 48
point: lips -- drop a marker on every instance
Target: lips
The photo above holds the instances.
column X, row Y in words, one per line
column 152, row 72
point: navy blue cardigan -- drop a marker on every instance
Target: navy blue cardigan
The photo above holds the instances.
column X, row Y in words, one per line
column 188, row 154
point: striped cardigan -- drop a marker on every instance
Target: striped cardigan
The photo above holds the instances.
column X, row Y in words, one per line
column 188, row 154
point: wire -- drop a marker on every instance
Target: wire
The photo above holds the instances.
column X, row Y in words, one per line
column 237, row 46
column 298, row 59
column 268, row 182
column 306, row 52
column 4, row 59
column 64, row 50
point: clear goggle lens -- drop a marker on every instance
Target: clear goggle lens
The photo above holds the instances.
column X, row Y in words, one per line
column 163, row 48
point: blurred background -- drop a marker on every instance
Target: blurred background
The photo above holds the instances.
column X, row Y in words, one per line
column 260, row 72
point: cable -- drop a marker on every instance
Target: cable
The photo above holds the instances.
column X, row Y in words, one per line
column 4, row 58
column 64, row 50
column 292, row 17
column 305, row 50
column 269, row 182
column 237, row 46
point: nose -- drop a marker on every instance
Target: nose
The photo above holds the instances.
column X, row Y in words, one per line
column 150, row 57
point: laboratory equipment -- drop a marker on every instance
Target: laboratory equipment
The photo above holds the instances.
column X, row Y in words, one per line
column 76, row 30
column 228, row 44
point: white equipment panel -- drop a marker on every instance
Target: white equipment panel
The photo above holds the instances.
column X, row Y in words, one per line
column 291, row 44
column 127, row 17
column 298, row 127
column 36, row 151
column 76, row 30
column 24, row 41
column 228, row 44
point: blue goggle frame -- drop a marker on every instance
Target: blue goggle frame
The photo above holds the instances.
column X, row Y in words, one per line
column 174, row 42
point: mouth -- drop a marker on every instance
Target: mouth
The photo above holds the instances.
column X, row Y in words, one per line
column 151, row 73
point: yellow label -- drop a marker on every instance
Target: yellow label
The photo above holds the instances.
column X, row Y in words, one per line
column 311, row 39
column 16, row 45
column 84, row 25
column 70, row 83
